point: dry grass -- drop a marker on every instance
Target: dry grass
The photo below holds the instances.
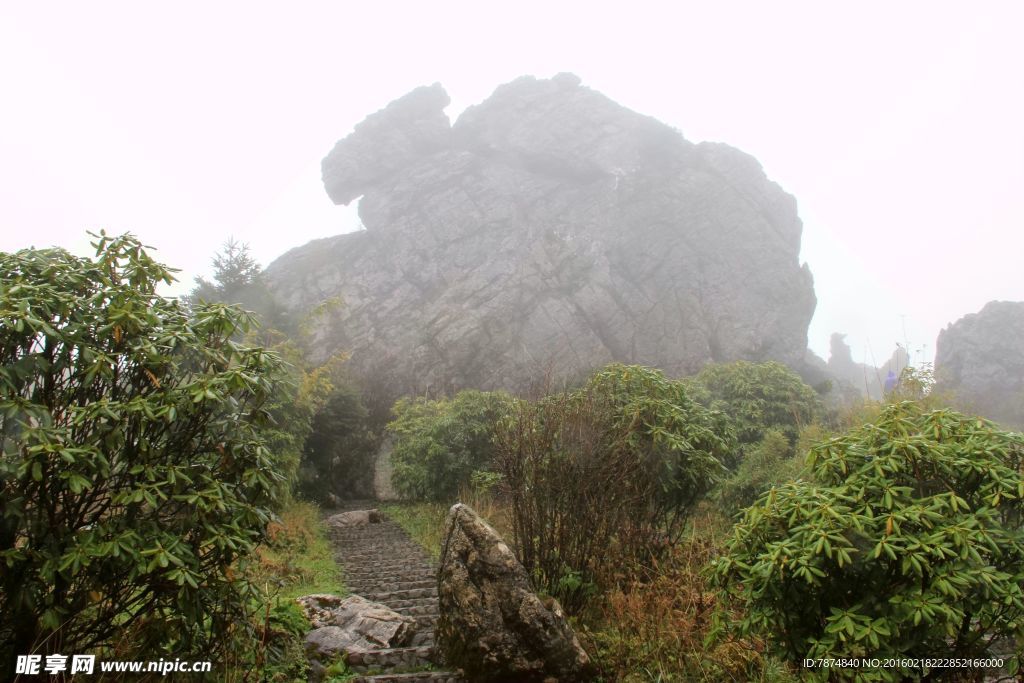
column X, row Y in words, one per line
column 488, row 506
column 653, row 626
column 424, row 522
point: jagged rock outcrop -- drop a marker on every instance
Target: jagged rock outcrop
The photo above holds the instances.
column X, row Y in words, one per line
column 549, row 227
column 979, row 359
column 380, row 147
column 855, row 380
column 492, row 625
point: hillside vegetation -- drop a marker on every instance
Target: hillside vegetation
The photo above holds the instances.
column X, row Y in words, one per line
column 727, row 527
column 163, row 461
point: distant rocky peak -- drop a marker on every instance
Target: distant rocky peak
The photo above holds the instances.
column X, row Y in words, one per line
column 979, row 360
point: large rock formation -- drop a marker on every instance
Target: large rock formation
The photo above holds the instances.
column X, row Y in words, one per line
column 492, row 625
column 549, row 227
column 980, row 360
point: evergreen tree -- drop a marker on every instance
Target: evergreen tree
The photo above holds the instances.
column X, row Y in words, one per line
column 238, row 279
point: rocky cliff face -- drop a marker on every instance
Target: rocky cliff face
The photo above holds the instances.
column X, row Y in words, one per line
column 549, row 227
column 980, row 358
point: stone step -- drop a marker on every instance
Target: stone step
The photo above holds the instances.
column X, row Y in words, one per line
column 425, row 620
column 373, row 530
column 369, row 589
column 362, row 587
column 382, row 564
column 384, row 579
column 397, row 586
column 378, row 540
column 358, row 545
column 420, row 571
column 422, row 609
column 372, row 546
column 424, row 637
column 393, row 557
column 384, row 560
column 388, row 597
column 373, row 542
column 407, row 658
column 386, row 566
column 432, row 676
column 361, row 547
column 386, row 556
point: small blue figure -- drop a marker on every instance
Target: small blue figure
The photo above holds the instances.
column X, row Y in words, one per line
column 890, row 382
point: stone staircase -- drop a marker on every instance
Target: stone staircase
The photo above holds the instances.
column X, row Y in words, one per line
column 381, row 563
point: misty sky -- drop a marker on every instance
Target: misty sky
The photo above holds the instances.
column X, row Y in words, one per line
column 898, row 126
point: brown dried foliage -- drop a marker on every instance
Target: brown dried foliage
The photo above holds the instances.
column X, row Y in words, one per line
column 653, row 624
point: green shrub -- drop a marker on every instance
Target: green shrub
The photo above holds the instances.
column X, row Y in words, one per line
column 133, row 473
column 281, row 657
column 299, row 394
column 439, row 444
column 600, row 477
column 338, row 453
column 910, row 544
column 296, row 559
column 769, row 462
column 302, row 392
column 758, row 397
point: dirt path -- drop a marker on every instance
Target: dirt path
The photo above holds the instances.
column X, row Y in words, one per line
column 381, row 563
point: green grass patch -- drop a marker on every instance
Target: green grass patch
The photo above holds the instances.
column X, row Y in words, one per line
column 424, row 522
column 298, row 559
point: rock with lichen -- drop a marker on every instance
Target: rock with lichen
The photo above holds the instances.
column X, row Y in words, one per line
column 492, row 625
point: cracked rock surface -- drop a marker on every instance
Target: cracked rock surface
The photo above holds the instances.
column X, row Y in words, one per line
column 549, row 227
column 492, row 625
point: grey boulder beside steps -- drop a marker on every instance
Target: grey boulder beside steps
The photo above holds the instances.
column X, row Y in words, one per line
column 492, row 625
